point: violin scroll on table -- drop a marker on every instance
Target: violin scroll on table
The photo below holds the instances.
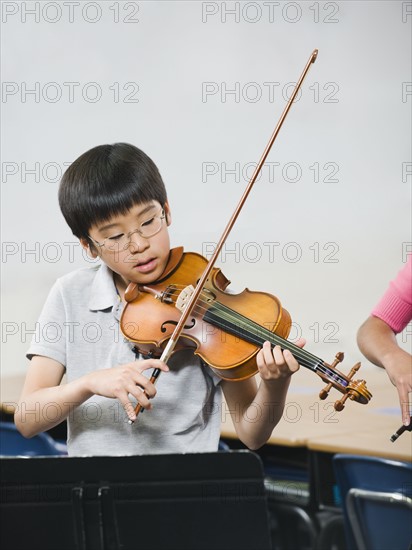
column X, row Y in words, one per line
column 225, row 330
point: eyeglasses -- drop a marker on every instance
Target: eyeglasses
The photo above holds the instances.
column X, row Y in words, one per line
column 147, row 229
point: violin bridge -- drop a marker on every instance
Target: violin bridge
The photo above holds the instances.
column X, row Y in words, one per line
column 184, row 297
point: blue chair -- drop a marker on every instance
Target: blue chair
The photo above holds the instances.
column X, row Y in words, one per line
column 377, row 501
column 12, row 443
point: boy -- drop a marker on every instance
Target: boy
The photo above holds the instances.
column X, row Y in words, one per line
column 114, row 200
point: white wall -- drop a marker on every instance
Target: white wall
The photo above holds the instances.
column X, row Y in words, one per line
column 326, row 248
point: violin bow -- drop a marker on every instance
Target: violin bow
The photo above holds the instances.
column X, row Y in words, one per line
column 168, row 350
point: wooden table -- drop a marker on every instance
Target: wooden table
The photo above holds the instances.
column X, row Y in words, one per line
column 367, row 442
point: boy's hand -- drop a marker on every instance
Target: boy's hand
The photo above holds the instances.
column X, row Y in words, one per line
column 275, row 364
column 124, row 380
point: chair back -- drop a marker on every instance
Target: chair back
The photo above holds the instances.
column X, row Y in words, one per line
column 12, row 443
column 364, row 510
column 377, row 501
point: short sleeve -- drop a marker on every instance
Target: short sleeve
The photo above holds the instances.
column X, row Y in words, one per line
column 395, row 306
column 49, row 338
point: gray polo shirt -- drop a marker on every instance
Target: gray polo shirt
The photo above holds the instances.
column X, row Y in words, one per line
column 79, row 327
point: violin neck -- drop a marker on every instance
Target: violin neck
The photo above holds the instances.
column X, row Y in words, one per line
column 238, row 325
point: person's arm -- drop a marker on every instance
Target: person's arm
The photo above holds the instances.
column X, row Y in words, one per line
column 377, row 341
column 42, row 388
column 255, row 411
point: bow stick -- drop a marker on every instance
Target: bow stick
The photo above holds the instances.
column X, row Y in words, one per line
column 167, row 352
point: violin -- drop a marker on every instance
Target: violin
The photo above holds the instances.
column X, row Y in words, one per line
column 189, row 307
column 226, row 330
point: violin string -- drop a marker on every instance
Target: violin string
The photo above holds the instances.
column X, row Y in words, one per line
column 260, row 334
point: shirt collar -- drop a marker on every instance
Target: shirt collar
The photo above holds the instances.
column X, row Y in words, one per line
column 103, row 294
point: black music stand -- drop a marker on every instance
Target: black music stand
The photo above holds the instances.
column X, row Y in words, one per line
column 158, row 502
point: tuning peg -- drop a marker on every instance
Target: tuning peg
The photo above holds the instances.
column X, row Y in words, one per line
column 353, row 370
column 340, row 404
column 323, row 394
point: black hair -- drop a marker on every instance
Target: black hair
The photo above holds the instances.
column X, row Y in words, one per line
column 107, row 181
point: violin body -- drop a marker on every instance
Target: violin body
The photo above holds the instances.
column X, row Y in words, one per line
column 150, row 317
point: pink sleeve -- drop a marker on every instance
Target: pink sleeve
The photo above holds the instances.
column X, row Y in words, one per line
column 395, row 306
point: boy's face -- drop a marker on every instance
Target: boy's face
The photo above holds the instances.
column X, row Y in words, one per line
column 144, row 259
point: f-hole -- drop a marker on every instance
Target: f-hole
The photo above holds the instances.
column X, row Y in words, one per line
column 163, row 327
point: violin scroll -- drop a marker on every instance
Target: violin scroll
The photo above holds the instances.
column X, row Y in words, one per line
column 355, row 390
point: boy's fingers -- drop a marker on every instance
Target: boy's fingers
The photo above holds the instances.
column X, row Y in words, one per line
column 267, row 353
column 143, row 384
column 291, row 362
column 141, row 398
column 152, row 364
column 128, row 407
column 278, row 355
column 300, row 343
